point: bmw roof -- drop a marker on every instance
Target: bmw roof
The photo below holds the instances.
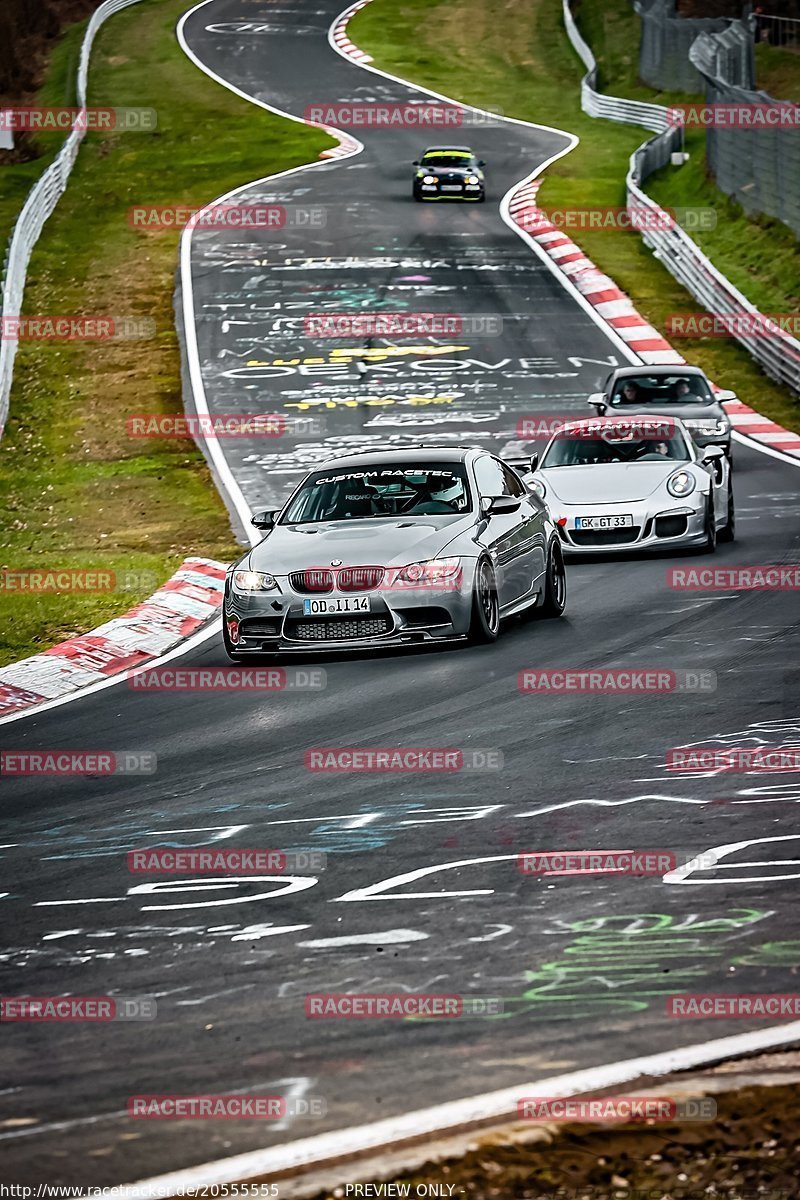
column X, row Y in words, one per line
column 660, row 369
column 420, row 454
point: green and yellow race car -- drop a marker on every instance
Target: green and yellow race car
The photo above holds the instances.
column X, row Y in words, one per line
column 449, row 173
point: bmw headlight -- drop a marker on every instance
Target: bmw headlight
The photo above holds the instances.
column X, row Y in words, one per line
column 682, row 483
column 429, row 179
column 472, row 179
column 537, row 487
column 438, row 573
column 706, row 426
column 253, row 581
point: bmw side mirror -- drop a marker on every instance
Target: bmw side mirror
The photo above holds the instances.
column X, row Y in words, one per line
column 597, row 401
column 481, row 162
column 725, row 396
column 263, row 520
column 496, row 505
column 534, row 462
column 415, row 163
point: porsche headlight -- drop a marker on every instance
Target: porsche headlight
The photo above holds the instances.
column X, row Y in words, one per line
column 537, row 487
column 682, row 483
column 253, row 581
column 429, row 179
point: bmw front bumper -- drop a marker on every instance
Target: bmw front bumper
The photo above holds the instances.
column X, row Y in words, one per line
column 705, row 439
column 275, row 621
column 434, row 191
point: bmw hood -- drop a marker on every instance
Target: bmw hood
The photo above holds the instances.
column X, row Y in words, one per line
column 602, row 484
column 681, row 412
column 374, row 541
column 451, row 172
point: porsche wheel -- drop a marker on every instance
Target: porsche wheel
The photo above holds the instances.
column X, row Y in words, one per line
column 728, row 531
column 710, row 529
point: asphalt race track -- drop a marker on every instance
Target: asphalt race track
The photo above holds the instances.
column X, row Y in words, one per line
column 583, row 964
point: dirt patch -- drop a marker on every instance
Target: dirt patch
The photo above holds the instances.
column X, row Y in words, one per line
column 750, row 1151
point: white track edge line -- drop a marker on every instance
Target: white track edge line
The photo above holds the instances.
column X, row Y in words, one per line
column 564, row 279
column 447, row 1119
column 225, row 475
column 187, row 297
column 304, row 1153
column 195, row 639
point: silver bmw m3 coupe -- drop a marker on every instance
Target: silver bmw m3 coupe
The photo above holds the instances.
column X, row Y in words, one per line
column 395, row 548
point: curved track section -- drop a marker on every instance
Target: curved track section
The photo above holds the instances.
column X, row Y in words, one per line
column 421, row 890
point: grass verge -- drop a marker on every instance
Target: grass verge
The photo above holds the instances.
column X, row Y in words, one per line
column 527, row 67
column 759, row 255
column 78, row 492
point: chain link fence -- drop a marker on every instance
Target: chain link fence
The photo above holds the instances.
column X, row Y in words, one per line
column 758, row 166
column 42, row 200
column 779, row 355
column 665, row 43
column 777, row 31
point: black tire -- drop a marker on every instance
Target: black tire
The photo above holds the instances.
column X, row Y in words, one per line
column 555, row 588
column 729, row 454
column 728, row 531
column 710, row 544
column 416, row 195
column 485, row 624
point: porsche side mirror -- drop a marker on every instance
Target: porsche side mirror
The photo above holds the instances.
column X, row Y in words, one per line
column 534, row 462
column 597, row 401
column 712, row 454
column 263, row 520
column 496, row 505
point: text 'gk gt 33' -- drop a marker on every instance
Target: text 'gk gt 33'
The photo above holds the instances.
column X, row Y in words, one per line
column 408, row 546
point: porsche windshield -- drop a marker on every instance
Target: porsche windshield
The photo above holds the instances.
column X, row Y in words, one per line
column 579, row 451
column 394, row 490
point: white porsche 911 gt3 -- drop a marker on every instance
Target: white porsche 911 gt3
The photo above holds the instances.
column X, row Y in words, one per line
column 616, row 483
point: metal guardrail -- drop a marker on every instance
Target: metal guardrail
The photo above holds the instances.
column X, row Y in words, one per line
column 39, row 205
column 778, row 354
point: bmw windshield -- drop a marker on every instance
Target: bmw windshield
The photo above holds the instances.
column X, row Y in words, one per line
column 661, row 389
column 448, row 160
column 381, row 491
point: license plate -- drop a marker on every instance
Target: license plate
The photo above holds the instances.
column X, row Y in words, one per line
column 615, row 522
column 339, row 604
column 452, row 187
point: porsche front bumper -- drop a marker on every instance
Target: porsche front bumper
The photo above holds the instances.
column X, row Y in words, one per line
column 653, row 527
